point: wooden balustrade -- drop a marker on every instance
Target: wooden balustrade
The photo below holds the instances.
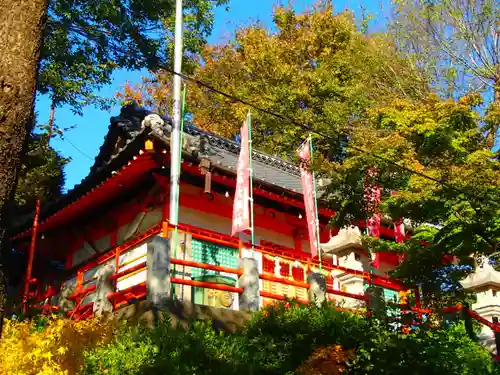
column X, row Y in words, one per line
column 205, row 266
column 129, row 271
column 361, row 297
column 203, row 284
column 280, row 297
column 224, row 240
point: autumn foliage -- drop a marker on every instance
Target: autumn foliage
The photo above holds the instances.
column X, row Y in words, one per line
column 316, row 67
column 49, row 347
column 326, row 361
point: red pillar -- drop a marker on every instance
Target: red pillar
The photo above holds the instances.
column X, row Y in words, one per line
column 31, row 255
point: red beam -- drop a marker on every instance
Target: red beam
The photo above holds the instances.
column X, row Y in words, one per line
column 420, row 310
column 203, row 284
column 268, row 277
column 279, row 297
column 80, row 310
column 361, row 297
column 31, row 255
column 126, row 291
column 479, row 318
column 89, row 290
column 206, row 266
column 46, row 307
column 128, row 270
column 452, row 308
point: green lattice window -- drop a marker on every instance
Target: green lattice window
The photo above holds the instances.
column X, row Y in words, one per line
column 389, row 294
column 210, row 253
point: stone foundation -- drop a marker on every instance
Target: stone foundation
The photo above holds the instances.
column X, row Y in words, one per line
column 183, row 312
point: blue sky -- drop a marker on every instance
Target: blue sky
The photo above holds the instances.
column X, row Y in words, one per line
column 82, row 143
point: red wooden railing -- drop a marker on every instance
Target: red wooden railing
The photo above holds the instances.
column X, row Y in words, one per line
column 123, row 297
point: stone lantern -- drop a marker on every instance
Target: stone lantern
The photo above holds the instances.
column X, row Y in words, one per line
column 485, row 283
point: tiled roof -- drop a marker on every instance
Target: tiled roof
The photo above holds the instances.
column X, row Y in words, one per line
column 269, row 169
column 127, row 130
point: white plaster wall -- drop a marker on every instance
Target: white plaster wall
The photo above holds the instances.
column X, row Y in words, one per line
column 204, row 220
column 488, row 306
column 152, row 218
column 487, row 339
column 222, row 225
column 485, row 299
column 139, row 252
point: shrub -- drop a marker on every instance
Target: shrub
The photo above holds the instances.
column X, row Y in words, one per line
column 126, row 354
column 285, row 339
column 433, row 351
column 49, row 346
column 194, row 349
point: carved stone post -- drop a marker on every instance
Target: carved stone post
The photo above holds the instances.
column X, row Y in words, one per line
column 249, row 281
column 65, row 305
column 158, row 275
column 104, row 286
column 317, row 291
column 376, row 302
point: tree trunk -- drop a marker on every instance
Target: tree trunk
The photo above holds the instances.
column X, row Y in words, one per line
column 21, row 27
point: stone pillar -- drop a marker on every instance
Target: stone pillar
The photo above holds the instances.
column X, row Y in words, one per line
column 317, row 291
column 158, row 274
column 65, row 305
column 104, row 286
column 376, row 302
column 249, row 281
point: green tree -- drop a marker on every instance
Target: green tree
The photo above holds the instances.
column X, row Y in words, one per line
column 457, row 43
column 317, row 68
column 83, row 42
column 454, row 212
column 41, row 175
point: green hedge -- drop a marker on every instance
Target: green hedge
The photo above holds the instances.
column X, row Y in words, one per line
column 279, row 339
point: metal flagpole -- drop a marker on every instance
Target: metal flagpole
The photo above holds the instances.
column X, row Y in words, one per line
column 315, row 206
column 250, row 149
column 176, row 229
column 175, row 150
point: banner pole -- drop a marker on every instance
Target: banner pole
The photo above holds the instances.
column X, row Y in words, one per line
column 249, row 120
column 311, row 150
column 175, row 238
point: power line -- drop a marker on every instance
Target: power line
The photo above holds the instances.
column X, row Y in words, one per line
column 64, row 138
column 308, row 128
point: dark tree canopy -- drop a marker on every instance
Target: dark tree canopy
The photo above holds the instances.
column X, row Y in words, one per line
column 86, row 40
column 41, row 175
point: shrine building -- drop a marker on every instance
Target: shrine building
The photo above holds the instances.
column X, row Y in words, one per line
column 103, row 230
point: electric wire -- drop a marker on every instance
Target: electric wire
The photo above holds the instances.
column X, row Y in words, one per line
column 64, row 138
column 309, row 128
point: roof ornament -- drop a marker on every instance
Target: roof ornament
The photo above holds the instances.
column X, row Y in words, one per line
column 196, row 145
column 157, row 125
